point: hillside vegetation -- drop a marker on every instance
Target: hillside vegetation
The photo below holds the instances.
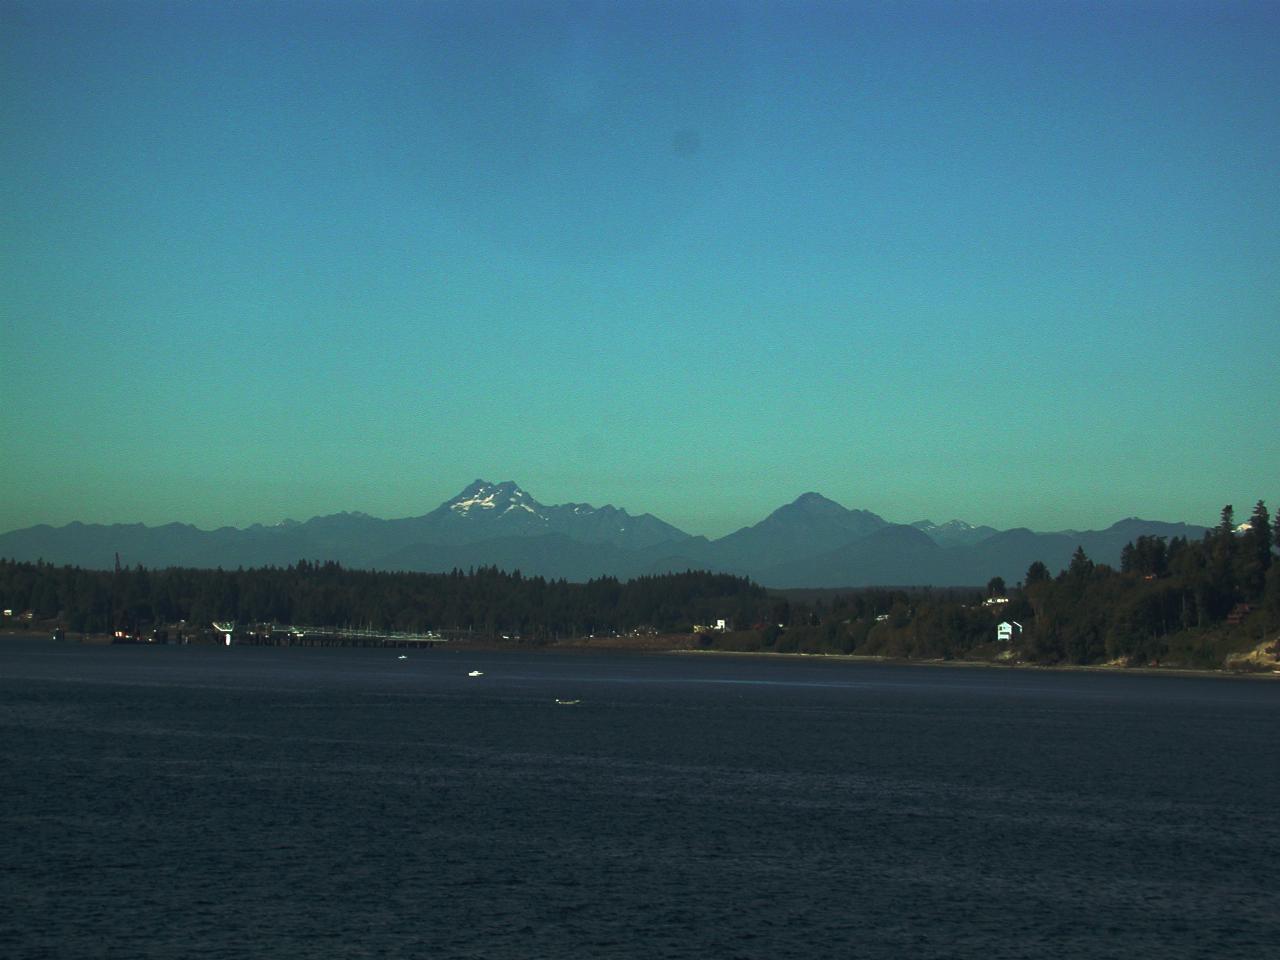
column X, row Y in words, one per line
column 1192, row 603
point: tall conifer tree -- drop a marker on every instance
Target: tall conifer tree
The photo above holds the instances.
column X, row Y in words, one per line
column 1255, row 555
column 1260, row 531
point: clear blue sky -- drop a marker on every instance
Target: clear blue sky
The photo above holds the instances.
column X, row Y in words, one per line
column 1013, row 262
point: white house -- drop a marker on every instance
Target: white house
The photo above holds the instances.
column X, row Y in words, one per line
column 1007, row 630
column 720, row 626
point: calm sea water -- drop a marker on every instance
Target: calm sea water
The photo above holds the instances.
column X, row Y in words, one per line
column 205, row 802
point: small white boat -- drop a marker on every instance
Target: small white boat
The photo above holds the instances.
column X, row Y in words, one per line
column 567, row 703
column 402, row 657
column 475, row 673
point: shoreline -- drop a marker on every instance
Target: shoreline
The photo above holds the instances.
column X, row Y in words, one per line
column 1104, row 668
column 675, row 644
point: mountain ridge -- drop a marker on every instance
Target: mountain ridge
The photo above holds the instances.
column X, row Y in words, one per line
column 812, row 541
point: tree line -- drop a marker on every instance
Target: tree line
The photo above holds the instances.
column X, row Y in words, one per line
column 1178, row 600
column 485, row 601
column 1172, row 601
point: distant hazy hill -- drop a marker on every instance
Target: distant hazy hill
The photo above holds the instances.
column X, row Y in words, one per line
column 894, row 554
column 810, row 542
column 809, row 525
column 954, row 532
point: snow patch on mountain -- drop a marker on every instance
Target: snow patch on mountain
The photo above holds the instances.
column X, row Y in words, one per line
column 953, row 532
column 495, row 498
column 462, row 506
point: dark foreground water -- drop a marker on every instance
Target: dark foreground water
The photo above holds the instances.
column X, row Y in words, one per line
column 203, row 802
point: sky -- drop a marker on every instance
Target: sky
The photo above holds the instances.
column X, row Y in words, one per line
column 1016, row 263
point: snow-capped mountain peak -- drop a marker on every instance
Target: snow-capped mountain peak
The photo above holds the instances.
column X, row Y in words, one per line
column 486, row 510
column 953, row 532
column 951, row 526
column 494, row 499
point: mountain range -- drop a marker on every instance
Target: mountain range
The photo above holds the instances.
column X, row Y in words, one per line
column 810, row 542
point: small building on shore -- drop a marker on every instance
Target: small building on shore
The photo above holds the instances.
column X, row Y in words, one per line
column 1008, row 630
column 719, row 626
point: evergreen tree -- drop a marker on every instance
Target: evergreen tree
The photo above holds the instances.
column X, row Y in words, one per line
column 1081, row 567
column 1037, row 573
column 1218, row 593
column 1149, row 557
column 1227, row 523
column 1255, row 557
column 1260, row 528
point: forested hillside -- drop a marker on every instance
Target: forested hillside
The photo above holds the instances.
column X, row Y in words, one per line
column 488, row 602
column 1172, row 601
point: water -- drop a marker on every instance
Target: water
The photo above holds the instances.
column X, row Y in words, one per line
column 206, row 802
